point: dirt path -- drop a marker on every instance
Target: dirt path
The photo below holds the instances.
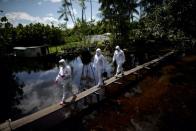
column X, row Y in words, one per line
column 165, row 101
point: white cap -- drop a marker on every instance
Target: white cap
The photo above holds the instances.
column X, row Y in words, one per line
column 98, row 50
column 117, row 47
column 62, row 61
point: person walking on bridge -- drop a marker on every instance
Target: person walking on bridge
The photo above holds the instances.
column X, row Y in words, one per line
column 119, row 58
column 99, row 65
column 64, row 79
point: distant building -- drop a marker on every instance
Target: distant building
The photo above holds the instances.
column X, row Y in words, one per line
column 33, row 51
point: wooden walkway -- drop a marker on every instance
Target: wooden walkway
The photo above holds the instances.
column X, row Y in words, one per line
column 56, row 113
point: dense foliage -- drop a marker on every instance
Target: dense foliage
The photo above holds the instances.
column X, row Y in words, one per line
column 118, row 16
column 131, row 22
column 161, row 21
column 29, row 35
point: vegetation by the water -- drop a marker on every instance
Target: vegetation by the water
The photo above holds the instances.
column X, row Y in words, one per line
column 134, row 24
column 140, row 26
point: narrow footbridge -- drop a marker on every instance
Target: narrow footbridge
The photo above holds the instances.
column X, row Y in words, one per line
column 54, row 114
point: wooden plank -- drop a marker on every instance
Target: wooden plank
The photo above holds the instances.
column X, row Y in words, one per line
column 83, row 94
column 5, row 126
column 44, row 112
column 92, row 90
column 147, row 68
column 35, row 116
column 118, row 83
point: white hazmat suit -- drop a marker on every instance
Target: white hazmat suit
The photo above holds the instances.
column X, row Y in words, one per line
column 119, row 57
column 64, row 79
column 99, row 64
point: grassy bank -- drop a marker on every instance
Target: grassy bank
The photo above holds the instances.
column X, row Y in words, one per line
column 80, row 44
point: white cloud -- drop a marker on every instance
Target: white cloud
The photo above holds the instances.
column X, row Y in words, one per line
column 94, row 18
column 70, row 25
column 50, row 14
column 17, row 16
column 39, row 3
column 53, row 1
column 74, row 11
column 20, row 16
column 36, row 97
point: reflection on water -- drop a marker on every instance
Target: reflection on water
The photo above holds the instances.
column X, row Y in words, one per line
column 40, row 90
column 30, row 84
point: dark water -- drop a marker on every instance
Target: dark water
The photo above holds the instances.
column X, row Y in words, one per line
column 28, row 84
column 33, row 87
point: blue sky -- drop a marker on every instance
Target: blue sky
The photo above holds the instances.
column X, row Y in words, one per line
column 43, row 11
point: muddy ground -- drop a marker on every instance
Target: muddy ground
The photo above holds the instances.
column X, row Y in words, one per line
column 163, row 100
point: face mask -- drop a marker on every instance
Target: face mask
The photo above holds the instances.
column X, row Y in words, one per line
column 61, row 64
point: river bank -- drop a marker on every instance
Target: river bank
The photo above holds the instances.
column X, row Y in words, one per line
column 162, row 100
column 166, row 102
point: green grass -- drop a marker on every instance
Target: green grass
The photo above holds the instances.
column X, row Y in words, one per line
column 59, row 48
column 54, row 49
column 80, row 44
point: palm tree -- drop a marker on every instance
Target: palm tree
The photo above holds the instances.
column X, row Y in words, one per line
column 132, row 9
column 117, row 14
column 148, row 5
column 66, row 12
column 72, row 11
column 91, row 10
column 82, row 4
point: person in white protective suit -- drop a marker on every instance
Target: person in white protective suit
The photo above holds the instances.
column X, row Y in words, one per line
column 99, row 64
column 119, row 57
column 64, row 79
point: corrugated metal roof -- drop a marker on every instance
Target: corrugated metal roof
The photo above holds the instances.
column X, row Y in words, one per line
column 19, row 48
column 30, row 47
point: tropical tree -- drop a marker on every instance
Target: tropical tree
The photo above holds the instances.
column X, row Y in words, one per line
column 67, row 10
column 117, row 15
column 6, row 29
column 149, row 5
column 83, row 6
column 133, row 4
column 91, row 5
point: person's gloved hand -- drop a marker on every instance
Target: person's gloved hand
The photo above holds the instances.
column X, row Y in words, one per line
column 93, row 67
